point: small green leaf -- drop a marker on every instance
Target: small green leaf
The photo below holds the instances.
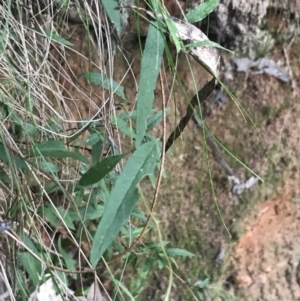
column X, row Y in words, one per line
column 6, row 157
column 206, row 43
column 202, row 11
column 150, row 66
column 105, row 82
column 56, row 149
column 161, row 262
column 296, row 200
column 29, row 244
column 200, row 295
column 53, row 218
column 173, row 34
column 66, row 217
column 156, row 119
column 126, row 116
column 123, row 197
column 4, row 177
column 147, row 264
column 156, row 246
column 57, row 38
column 99, row 170
column 30, row 129
column 69, row 261
column 179, row 252
column 123, row 126
column 112, row 9
column 97, row 151
column 20, row 163
column 21, row 282
column 62, row 2
column 86, row 214
column 31, row 265
column 49, row 167
column 172, row 259
column 49, row 215
column 93, row 139
column 202, row 284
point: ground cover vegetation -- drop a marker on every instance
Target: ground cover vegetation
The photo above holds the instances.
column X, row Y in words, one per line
column 83, row 151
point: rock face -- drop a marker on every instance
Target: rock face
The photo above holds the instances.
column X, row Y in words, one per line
column 237, row 24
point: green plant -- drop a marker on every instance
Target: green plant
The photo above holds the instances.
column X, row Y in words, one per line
column 76, row 211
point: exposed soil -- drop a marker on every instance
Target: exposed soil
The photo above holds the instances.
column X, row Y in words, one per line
column 266, row 258
column 260, row 262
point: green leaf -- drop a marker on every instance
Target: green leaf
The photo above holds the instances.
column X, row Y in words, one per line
column 161, row 262
column 49, row 214
column 30, row 129
column 86, row 214
column 200, row 295
column 202, row 11
column 147, row 265
column 93, row 139
column 4, row 177
column 20, row 163
column 62, row 2
column 179, row 252
column 53, row 218
column 69, row 261
column 29, row 244
column 105, row 82
column 31, row 265
column 206, row 43
column 173, row 34
column 123, row 197
column 202, row 284
column 128, row 115
column 21, row 283
column 123, row 288
column 155, row 246
column 156, row 119
column 99, row 170
column 66, row 217
column 97, row 151
column 49, row 167
column 140, row 281
column 4, row 156
column 56, row 149
column 150, row 66
column 123, row 127
column 3, row 153
column 57, row 38
column 112, row 10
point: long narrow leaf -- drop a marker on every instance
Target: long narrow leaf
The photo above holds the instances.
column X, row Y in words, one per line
column 99, row 170
column 150, row 67
column 123, row 197
column 202, row 11
column 105, row 82
column 56, row 149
